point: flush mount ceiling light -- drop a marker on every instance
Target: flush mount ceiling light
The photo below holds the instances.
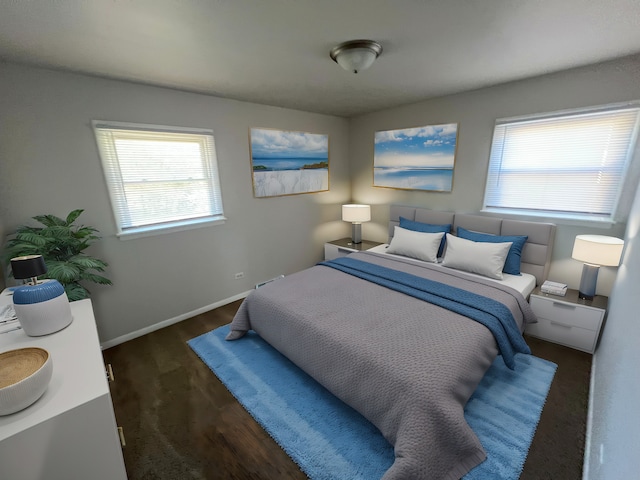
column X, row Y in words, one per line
column 356, row 55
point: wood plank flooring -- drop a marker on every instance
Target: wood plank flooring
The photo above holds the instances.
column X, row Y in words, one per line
column 180, row 422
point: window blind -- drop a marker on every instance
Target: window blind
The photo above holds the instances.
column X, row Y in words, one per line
column 573, row 164
column 159, row 177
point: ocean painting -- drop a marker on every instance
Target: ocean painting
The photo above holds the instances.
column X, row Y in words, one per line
column 419, row 158
column 288, row 163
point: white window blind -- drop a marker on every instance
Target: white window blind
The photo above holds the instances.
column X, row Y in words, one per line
column 159, row 177
column 570, row 165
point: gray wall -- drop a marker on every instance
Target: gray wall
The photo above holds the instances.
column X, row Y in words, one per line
column 614, row 441
column 49, row 164
column 2, row 282
column 476, row 112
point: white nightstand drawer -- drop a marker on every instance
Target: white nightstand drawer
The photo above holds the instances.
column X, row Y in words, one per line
column 568, row 314
column 559, row 332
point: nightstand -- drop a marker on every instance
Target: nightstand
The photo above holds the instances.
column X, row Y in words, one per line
column 344, row 246
column 568, row 320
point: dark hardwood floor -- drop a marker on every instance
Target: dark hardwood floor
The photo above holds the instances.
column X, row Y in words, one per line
column 180, row 422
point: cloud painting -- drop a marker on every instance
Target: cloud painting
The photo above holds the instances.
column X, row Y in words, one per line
column 288, row 163
column 416, row 158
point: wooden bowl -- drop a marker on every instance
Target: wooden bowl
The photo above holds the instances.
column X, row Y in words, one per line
column 25, row 374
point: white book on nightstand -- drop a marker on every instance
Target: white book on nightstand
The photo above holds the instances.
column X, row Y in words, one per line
column 554, row 288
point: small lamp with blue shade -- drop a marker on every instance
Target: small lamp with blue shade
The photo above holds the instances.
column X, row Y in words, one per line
column 42, row 308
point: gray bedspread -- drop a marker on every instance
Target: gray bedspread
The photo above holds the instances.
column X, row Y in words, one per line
column 406, row 365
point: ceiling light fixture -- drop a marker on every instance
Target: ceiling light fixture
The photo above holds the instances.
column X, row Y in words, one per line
column 356, row 55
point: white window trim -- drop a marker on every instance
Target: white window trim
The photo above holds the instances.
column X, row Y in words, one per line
column 168, row 227
column 529, row 215
column 141, row 232
column 631, row 176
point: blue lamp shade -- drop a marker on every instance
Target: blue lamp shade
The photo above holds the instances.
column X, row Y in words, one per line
column 42, row 308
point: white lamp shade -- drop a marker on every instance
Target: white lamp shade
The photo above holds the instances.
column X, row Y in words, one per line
column 598, row 250
column 356, row 213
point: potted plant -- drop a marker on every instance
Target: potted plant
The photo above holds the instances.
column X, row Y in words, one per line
column 61, row 244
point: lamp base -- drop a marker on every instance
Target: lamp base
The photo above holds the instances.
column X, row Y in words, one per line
column 588, row 281
column 584, row 296
column 42, row 309
column 356, row 233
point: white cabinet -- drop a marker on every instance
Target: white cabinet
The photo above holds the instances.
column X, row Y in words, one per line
column 70, row 433
column 568, row 320
column 344, row 246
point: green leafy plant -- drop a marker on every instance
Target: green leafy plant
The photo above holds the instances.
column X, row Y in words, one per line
column 61, row 244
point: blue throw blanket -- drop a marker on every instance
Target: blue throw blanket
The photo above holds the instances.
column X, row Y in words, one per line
column 490, row 313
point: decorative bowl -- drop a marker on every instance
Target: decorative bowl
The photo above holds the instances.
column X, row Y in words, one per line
column 25, row 374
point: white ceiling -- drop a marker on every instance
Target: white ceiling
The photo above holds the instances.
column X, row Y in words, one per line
column 276, row 52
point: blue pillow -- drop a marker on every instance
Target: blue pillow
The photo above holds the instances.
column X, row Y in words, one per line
column 512, row 263
column 427, row 228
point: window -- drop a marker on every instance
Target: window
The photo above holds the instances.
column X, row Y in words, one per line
column 159, row 178
column 568, row 165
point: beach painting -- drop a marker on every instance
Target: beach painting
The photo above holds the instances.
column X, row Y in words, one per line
column 288, row 163
column 419, row 158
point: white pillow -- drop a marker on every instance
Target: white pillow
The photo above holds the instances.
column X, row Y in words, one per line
column 483, row 258
column 420, row 245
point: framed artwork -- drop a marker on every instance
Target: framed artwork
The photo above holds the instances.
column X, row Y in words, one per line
column 288, row 163
column 419, row 158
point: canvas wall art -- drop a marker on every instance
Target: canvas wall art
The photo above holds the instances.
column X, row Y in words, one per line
column 288, row 163
column 419, row 158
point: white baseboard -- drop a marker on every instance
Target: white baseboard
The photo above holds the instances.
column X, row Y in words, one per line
column 170, row 321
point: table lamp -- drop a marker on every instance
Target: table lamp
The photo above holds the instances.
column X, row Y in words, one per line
column 595, row 251
column 42, row 308
column 356, row 214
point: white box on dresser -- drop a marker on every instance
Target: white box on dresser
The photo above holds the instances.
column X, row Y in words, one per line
column 568, row 320
column 70, row 433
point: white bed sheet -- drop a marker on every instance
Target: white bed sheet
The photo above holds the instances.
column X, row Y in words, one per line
column 523, row 283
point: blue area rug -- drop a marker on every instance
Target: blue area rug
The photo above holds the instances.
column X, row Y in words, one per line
column 331, row 441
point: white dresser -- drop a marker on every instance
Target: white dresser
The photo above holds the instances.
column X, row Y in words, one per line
column 70, row 433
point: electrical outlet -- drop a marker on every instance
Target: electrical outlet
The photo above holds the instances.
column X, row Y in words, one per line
column 239, row 275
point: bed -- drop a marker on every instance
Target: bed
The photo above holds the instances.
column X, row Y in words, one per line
column 404, row 341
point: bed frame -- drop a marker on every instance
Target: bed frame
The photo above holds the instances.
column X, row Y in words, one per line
column 536, row 254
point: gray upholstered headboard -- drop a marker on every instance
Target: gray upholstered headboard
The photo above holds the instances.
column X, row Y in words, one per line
column 536, row 254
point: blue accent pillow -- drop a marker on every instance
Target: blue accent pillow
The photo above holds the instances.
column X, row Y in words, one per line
column 512, row 263
column 427, row 228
